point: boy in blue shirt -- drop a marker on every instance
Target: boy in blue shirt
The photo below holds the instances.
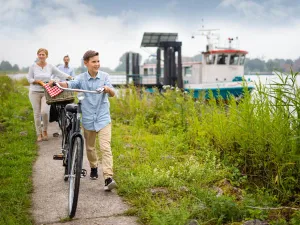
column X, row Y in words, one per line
column 96, row 118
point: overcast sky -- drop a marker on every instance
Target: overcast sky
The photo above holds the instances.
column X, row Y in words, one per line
column 265, row 28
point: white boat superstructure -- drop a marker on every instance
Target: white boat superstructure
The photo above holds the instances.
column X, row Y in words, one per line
column 219, row 68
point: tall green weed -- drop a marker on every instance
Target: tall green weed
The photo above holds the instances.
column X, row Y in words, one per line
column 170, row 140
column 257, row 135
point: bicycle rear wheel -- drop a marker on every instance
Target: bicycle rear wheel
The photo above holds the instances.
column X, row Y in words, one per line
column 75, row 174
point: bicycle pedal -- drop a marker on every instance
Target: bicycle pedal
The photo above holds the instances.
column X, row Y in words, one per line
column 83, row 173
column 58, row 157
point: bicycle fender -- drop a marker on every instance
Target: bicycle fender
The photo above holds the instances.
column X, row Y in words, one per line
column 74, row 135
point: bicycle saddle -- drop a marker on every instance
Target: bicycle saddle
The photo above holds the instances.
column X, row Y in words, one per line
column 71, row 108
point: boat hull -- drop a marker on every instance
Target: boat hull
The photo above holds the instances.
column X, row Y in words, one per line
column 224, row 90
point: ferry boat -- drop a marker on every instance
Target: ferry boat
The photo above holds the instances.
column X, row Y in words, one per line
column 220, row 70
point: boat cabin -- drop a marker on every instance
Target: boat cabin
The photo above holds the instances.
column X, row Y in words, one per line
column 218, row 66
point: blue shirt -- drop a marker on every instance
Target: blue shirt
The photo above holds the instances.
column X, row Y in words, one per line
column 95, row 107
column 67, row 70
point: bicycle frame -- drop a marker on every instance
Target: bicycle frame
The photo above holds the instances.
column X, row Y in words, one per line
column 74, row 131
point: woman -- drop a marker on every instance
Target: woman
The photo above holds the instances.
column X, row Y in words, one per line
column 41, row 71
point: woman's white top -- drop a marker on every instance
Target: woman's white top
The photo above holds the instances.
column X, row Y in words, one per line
column 44, row 74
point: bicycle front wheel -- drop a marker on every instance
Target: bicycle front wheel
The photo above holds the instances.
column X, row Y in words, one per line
column 75, row 174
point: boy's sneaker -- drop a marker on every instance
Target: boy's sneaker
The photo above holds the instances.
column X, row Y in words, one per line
column 110, row 184
column 94, row 173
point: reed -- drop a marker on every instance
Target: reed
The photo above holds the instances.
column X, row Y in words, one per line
column 172, row 140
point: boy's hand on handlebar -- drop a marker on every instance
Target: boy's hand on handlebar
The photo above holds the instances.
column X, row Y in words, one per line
column 109, row 91
column 103, row 89
column 106, row 89
column 100, row 90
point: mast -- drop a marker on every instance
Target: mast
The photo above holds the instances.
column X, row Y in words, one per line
column 212, row 37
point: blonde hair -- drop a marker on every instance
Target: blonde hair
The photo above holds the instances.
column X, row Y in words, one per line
column 43, row 50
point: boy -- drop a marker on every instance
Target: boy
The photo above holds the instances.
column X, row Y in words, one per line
column 96, row 116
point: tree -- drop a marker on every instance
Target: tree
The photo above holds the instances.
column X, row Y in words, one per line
column 296, row 66
column 272, row 65
column 256, row 65
column 5, row 66
column 25, row 69
column 15, row 68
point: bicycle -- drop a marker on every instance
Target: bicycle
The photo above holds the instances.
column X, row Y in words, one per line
column 64, row 121
column 61, row 120
column 72, row 147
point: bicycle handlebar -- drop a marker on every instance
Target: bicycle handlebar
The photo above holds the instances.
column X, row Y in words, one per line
column 98, row 91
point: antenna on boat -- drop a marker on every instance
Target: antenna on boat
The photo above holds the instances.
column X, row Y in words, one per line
column 212, row 36
column 230, row 43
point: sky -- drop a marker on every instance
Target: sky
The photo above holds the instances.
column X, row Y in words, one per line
column 267, row 29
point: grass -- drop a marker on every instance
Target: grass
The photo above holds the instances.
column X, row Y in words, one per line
column 17, row 153
column 22, row 82
column 176, row 159
column 164, row 185
column 174, row 155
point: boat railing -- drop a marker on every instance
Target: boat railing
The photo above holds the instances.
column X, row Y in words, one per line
column 136, row 79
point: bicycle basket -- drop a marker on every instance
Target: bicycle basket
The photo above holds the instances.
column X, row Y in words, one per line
column 65, row 96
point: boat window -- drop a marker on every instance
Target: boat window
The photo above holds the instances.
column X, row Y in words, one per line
column 242, row 59
column 145, row 71
column 222, row 59
column 188, row 71
column 234, row 59
column 210, row 59
column 151, row 70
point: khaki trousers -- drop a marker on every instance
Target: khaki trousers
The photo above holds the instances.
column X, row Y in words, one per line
column 40, row 108
column 104, row 136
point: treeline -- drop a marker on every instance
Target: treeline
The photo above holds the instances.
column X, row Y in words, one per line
column 282, row 65
column 251, row 65
column 6, row 66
